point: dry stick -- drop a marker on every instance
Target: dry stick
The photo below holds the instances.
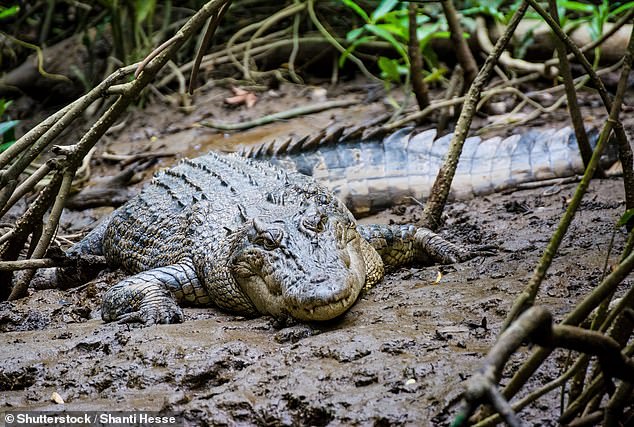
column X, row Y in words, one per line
column 463, row 53
column 29, row 183
column 434, row 105
column 416, row 61
column 571, row 94
column 506, row 59
column 626, row 301
column 535, row 319
column 293, row 56
column 24, row 264
column 20, row 288
column 30, row 137
column 230, row 43
column 266, row 24
column 293, row 112
column 589, row 393
column 625, row 151
column 220, row 56
column 528, row 295
column 211, row 29
column 10, row 251
column 153, row 55
column 616, row 404
column 74, row 110
column 288, row 11
column 112, row 114
column 454, row 88
column 579, row 313
column 440, row 190
column 335, row 43
column 536, row 324
column 533, row 396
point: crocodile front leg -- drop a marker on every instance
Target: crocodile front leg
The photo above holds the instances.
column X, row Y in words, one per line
column 400, row 245
column 152, row 296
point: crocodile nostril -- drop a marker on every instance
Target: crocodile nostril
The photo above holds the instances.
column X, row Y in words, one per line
column 318, row 278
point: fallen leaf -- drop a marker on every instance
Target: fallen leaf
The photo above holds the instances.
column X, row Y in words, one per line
column 55, row 397
column 241, row 96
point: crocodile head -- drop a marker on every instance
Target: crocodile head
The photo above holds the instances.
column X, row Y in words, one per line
column 307, row 265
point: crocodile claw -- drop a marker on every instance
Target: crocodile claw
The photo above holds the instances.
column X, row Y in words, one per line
column 137, row 300
column 478, row 251
column 159, row 312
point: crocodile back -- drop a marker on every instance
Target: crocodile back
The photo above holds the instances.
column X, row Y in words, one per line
column 374, row 174
column 151, row 229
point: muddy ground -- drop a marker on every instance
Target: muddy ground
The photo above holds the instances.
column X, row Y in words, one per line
column 400, row 356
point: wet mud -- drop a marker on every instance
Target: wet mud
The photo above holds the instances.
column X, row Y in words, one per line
column 399, row 356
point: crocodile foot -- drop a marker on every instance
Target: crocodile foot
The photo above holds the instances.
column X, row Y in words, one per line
column 478, row 251
column 164, row 311
column 136, row 299
column 444, row 252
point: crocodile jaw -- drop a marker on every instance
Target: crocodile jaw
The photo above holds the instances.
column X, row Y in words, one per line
column 311, row 296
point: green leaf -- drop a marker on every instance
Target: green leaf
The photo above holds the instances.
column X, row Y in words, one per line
column 396, row 30
column 625, row 218
column 389, row 67
column 427, row 32
column 353, row 34
column 4, row 105
column 143, row 9
column 6, row 12
column 351, row 48
column 6, row 145
column 384, row 7
column 352, row 5
column 7, row 136
column 380, row 32
column 577, row 6
column 5, row 127
column 622, row 8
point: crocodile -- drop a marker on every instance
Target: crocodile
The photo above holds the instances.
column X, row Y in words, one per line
column 250, row 238
column 370, row 173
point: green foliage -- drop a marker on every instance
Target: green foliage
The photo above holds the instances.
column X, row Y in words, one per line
column 7, row 134
column 6, row 12
column 625, row 218
column 500, row 10
column 389, row 23
column 596, row 15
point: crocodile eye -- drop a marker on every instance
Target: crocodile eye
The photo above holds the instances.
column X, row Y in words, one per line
column 270, row 239
column 315, row 223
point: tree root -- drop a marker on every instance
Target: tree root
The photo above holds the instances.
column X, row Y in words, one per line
column 293, row 112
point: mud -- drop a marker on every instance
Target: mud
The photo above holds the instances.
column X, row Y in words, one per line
column 400, row 356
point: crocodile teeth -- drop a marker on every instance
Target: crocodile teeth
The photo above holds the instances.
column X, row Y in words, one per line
column 312, row 311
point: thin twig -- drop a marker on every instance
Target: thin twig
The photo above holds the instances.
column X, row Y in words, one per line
column 294, row 51
column 571, row 94
column 625, row 151
column 625, row 19
column 528, row 295
column 416, row 61
column 463, row 53
column 293, row 112
column 335, row 43
column 211, row 29
column 440, row 190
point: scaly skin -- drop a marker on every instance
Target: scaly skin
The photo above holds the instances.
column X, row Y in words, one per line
column 370, row 175
column 249, row 238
